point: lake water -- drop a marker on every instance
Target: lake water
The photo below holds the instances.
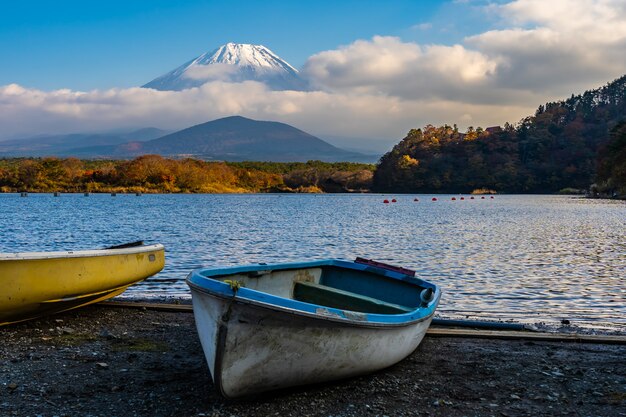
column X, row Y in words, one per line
column 526, row 258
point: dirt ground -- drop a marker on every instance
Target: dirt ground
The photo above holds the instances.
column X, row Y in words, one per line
column 100, row 361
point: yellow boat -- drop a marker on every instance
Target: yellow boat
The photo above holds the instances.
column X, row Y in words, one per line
column 36, row 284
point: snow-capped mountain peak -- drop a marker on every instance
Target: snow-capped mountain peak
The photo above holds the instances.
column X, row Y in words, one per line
column 244, row 54
column 232, row 62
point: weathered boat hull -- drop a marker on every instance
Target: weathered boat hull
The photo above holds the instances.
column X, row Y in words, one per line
column 38, row 284
column 260, row 349
column 256, row 341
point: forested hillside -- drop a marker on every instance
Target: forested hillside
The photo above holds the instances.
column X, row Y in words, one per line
column 611, row 177
column 556, row 148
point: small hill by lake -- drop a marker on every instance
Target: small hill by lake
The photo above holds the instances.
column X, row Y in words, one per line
column 238, row 138
column 232, row 138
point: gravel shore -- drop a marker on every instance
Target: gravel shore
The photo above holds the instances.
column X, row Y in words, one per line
column 100, row 361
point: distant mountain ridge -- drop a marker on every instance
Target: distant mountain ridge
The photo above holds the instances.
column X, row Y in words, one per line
column 73, row 144
column 232, row 62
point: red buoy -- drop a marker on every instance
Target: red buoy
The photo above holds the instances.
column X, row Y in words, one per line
column 434, row 198
column 394, row 201
column 472, row 198
column 386, row 201
column 453, row 198
column 482, row 198
column 415, row 199
column 491, row 196
column 462, row 198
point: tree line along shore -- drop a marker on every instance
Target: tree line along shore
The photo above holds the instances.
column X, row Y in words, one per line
column 155, row 174
column 429, row 160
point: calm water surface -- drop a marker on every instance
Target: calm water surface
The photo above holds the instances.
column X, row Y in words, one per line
column 526, row 258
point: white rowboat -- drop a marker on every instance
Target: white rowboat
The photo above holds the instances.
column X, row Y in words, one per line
column 265, row 327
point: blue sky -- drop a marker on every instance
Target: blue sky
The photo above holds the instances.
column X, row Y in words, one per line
column 379, row 68
column 86, row 45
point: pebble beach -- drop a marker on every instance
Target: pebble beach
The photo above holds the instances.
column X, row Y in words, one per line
column 102, row 361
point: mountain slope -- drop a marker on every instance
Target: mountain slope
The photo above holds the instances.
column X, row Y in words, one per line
column 74, row 144
column 234, row 63
column 237, row 138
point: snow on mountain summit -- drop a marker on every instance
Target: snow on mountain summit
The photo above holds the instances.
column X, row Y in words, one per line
column 243, row 54
column 233, row 62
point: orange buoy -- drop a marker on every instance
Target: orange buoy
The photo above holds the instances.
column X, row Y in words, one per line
column 394, row 201
column 386, row 201
column 434, row 198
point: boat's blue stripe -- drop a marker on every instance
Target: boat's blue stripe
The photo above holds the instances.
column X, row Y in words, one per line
column 203, row 279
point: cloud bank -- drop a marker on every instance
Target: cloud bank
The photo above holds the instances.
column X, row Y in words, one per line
column 376, row 88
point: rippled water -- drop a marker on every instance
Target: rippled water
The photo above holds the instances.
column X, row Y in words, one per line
column 527, row 258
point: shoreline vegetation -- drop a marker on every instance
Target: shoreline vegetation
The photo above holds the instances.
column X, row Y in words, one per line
column 156, row 174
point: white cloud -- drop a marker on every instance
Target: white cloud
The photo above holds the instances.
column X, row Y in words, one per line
column 545, row 51
column 591, row 20
column 557, row 46
column 362, row 64
column 386, row 65
column 26, row 111
column 378, row 88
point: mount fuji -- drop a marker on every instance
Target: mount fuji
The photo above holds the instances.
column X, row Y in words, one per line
column 233, row 62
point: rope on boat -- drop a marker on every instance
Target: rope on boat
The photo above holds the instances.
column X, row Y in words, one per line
column 234, row 285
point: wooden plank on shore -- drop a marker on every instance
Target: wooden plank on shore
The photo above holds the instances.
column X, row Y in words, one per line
column 433, row 331
column 526, row 335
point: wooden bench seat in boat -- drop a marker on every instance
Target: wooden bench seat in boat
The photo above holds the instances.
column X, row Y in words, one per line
column 331, row 297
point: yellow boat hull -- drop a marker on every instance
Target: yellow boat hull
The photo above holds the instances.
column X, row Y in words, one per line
column 38, row 284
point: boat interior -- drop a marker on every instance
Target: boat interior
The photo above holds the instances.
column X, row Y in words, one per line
column 335, row 287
